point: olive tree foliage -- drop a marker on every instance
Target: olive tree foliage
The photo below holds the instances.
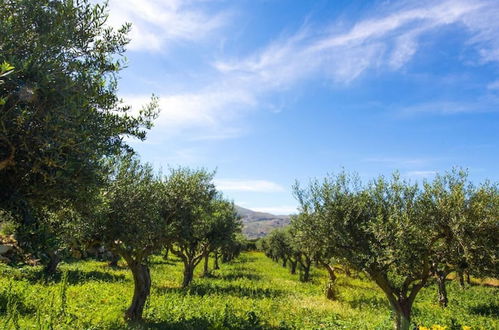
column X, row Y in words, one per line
column 309, row 248
column 133, row 218
column 375, row 228
column 467, row 216
column 400, row 233
column 52, row 236
column 233, row 248
column 59, row 113
column 481, row 239
column 279, row 245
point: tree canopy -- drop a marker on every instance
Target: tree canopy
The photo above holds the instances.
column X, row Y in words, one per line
column 60, row 113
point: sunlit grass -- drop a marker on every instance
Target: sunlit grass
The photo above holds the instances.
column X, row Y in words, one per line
column 250, row 293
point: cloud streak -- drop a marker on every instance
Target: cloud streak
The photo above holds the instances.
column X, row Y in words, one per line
column 385, row 41
column 158, row 23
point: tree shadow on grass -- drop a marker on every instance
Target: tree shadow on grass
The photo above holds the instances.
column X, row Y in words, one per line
column 13, row 299
column 489, row 310
column 75, row 276
column 229, row 320
column 202, row 324
column 206, row 289
column 240, row 275
column 168, row 262
column 370, row 302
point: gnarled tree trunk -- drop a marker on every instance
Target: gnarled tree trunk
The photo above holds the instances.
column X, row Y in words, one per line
column 331, row 292
column 402, row 309
column 142, row 289
column 188, row 273
column 442, row 290
column 305, row 264
column 401, row 300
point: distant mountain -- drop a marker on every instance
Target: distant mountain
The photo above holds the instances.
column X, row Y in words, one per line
column 259, row 224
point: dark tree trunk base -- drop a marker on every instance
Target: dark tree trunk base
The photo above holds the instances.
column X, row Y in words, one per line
column 442, row 290
column 293, row 267
column 114, row 261
column 188, row 275
column 142, row 281
column 51, row 267
column 216, row 266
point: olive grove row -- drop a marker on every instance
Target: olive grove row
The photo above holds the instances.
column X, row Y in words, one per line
column 68, row 178
column 399, row 233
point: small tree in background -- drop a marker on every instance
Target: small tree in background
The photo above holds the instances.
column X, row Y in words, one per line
column 224, row 224
column 190, row 194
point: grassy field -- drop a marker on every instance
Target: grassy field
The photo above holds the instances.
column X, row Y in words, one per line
column 250, row 293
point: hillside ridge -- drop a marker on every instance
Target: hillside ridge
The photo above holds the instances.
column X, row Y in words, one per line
column 258, row 224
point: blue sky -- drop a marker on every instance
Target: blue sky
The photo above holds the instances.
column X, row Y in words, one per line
column 269, row 91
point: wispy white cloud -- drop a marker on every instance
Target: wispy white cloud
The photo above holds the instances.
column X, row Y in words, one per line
column 248, row 185
column 205, row 115
column 157, row 23
column 386, row 40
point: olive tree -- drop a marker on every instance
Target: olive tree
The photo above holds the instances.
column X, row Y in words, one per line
column 190, row 193
column 223, row 225
column 481, row 240
column 280, row 245
column 132, row 222
column 59, row 110
column 305, row 240
column 466, row 216
column 375, row 228
column 232, row 248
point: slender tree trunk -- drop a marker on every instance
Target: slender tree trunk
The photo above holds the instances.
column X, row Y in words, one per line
column 460, row 275
column 114, row 260
column 51, row 267
column 206, row 268
column 216, row 266
column 142, row 289
column 165, row 255
column 294, row 263
column 468, row 279
column 188, row 273
column 331, row 292
column 284, row 262
column 442, row 290
column 305, row 266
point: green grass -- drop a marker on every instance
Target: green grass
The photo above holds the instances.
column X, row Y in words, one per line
column 250, row 293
